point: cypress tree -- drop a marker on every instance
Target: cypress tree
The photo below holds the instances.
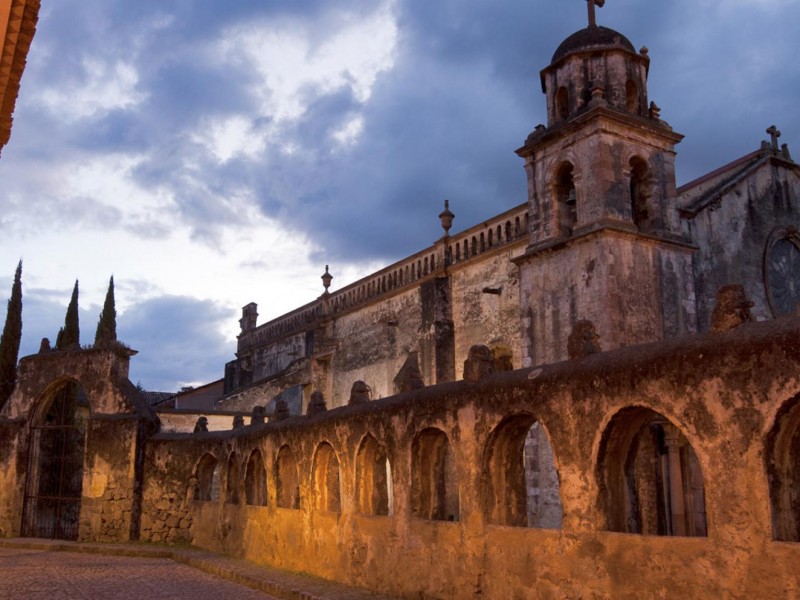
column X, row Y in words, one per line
column 70, row 334
column 106, row 333
column 9, row 342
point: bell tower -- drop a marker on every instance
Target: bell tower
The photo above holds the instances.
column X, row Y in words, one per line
column 606, row 242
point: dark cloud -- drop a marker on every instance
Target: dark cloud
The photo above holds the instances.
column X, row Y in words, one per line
column 178, row 341
column 462, row 94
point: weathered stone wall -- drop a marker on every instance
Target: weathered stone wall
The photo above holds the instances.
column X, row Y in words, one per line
column 616, row 280
column 374, row 342
column 485, row 301
column 726, row 393
column 733, row 227
column 180, row 421
column 117, row 418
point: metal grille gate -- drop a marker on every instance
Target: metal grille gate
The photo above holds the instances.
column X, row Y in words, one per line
column 55, row 467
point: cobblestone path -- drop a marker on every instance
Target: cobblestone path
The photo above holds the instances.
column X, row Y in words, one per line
column 40, row 575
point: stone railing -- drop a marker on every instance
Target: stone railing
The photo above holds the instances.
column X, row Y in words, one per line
column 504, row 229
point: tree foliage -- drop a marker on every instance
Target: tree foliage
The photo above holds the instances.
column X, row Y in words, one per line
column 106, row 333
column 70, row 334
column 9, row 342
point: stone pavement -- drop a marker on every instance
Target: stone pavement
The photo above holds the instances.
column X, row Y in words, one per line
column 49, row 569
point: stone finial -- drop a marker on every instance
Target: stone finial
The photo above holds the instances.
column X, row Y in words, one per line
column 259, row 414
column 644, row 51
column 44, row 346
column 598, row 97
column 281, row 410
column 732, row 308
column 583, row 340
column 655, row 111
column 409, row 377
column 479, row 363
column 774, row 134
column 360, row 393
column 317, row 404
column 446, row 217
column 201, row 425
column 785, row 152
column 326, row 279
column 238, row 422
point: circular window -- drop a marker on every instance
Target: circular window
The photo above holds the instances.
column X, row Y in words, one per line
column 782, row 271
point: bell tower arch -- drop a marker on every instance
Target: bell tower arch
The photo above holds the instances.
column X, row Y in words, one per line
column 606, row 242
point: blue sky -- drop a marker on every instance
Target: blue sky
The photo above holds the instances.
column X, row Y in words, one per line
column 210, row 154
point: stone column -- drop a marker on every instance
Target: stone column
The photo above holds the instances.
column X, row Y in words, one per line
column 676, row 495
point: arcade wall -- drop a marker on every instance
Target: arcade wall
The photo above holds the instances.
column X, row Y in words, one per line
column 676, row 474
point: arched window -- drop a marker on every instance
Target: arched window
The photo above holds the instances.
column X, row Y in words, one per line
column 373, row 479
column 632, row 97
column 255, row 480
column 508, row 231
column 649, row 477
column 640, row 209
column 207, row 474
column 499, row 234
column 562, row 103
column 482, row 242
column 521, row 485
column 434, row 492
column 232, row 480
column 55, row 465
column 474, row 249
column 287, row 485
column 466, row 249
column 327, row 491
column 783, row 471
column 566, row 200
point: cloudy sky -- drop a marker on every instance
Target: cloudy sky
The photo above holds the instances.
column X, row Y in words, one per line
column 215, row 153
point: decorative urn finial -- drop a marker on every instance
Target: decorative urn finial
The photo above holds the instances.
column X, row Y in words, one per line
column 326, row 279
column 446, row 217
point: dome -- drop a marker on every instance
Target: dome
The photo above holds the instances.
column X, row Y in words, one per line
column 592, row 38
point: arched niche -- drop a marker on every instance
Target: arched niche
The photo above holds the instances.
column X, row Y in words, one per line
column 373, row 478
column 232, row 479
column 255, row 480
column 782, row 455
column 642, row 212
column 327, row 485
column 207, row 474
column 434, row 491
column 54, row 485
column 520, row 479
column 287, row 483
column 566, row 199
column 649, row 477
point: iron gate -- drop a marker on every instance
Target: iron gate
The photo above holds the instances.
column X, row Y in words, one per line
column 55, row 467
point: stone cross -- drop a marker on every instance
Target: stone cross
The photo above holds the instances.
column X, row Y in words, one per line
column 592, row 3
column 774, row 134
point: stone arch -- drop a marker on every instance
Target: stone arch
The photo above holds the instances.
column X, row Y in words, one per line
column 562, row 103
column 782, row 456
column 649, row 476
column 327, row 479
column 632, row 97
column 373, row 478
column 566, row 198
column 287, row 483
column 640, row 193
column 207, row 474
column 434, row 484
column 520, row 479
column 232, row 479
column 54, row 485
column 255, row 480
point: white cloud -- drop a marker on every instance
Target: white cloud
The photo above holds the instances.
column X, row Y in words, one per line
column 106, row 86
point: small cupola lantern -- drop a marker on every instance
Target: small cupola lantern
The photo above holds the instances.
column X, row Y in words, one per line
column 446, row 217
column 326, row 279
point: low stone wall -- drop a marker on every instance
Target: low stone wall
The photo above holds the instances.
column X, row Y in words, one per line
column 718, row 398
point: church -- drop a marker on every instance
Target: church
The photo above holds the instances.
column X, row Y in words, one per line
column 605, row 236
column 594, row 394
